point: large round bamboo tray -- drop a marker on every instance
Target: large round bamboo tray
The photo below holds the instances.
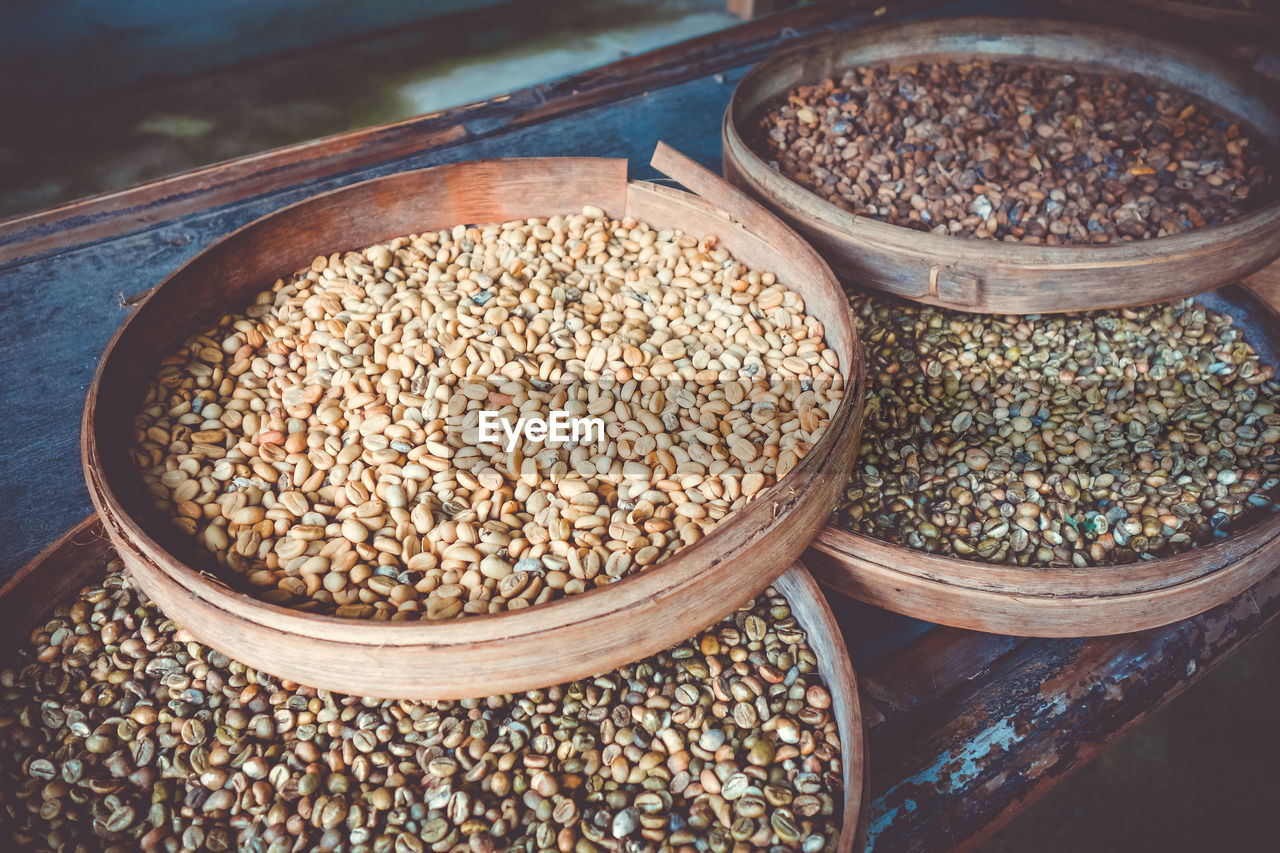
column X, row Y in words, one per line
column 1062, row 602
column 79, row 556
column 991, row 276
column 496, row 653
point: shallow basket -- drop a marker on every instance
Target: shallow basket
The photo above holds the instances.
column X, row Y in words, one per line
column 1068, row 601
column 494, row 653
column 989, row 275
column 78, row 559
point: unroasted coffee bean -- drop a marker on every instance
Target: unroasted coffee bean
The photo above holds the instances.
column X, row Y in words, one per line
column 1061, row 440
column 329, row 446
column 1019, row 153
column 260, row 764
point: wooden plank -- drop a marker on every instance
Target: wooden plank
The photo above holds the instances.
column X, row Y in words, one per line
column 109, row 214
column 953, row 770
column 1265, row 283
column 748, row 9
column 150, row 41
column 930, row 667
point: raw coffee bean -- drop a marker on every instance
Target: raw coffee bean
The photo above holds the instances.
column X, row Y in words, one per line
column 1151, row 431
column 1003, row 151
column 326, row 442
column 236, row 754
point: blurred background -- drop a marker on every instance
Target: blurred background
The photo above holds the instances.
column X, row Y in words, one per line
column 104, row 95
column 135, row 89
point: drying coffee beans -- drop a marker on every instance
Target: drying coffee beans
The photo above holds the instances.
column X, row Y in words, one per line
column 118, row 732
column 1019, row 153
column 1061, row 440
column 352, row 443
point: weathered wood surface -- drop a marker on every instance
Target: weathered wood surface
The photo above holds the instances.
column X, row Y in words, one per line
column 201, row 189
column 968, row 729
column 136, row 41
column 937, row 699
column 1188, row 20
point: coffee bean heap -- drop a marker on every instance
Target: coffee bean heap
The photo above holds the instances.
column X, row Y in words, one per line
column 1011, row 152
column 325, row 444
column 119, row 732
column 1063, row 440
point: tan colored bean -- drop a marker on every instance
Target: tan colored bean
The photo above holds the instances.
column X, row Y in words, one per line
column 350, row 441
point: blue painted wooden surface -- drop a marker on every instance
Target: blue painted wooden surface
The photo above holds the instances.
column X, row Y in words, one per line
column 78, row 48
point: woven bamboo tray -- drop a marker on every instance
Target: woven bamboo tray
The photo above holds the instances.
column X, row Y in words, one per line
column 79, row 557
column 495, row 653
column 991, row 276
column 1063, row 602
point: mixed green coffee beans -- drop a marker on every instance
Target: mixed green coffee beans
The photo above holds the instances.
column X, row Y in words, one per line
column 118, row 732
column 326, row 444
column 1061, row 440
column 1000, row 150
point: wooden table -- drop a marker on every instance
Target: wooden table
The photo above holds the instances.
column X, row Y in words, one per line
column 966, row 729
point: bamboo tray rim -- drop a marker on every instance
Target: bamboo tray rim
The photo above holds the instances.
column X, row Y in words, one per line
column 1067, row 257
column 938, row 601
column 849, row 547
column 798, row 584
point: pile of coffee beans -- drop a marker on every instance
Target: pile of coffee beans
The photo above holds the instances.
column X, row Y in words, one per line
column 326, row 443
column 1061, row 440
column 1019, row 153
column 119, row 732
